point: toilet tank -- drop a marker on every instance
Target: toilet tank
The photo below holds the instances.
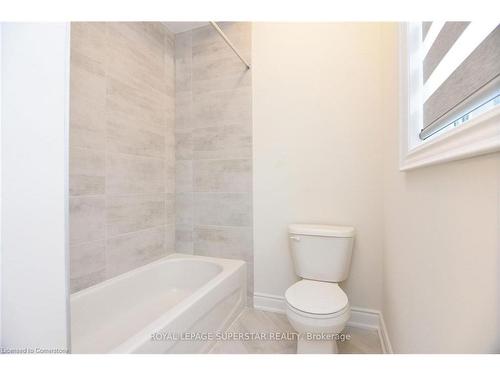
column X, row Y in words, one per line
column 321, row 252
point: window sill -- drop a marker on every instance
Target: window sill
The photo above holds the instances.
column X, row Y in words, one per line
column 478, row 136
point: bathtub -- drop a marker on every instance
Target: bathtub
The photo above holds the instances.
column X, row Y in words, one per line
column 150, row 309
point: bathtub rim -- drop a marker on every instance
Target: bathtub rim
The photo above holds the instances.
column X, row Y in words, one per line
column 227, row 267
column 224, row 263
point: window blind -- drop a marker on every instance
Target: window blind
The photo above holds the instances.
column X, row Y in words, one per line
column 460, row 71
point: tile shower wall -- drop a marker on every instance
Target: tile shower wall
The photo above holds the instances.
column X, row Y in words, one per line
column 214, row 145
column 122, row 148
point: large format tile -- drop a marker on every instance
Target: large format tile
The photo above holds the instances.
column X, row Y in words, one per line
column 87, row 264
column 214, row 65
column 134, row 140
column 183, row 61
column 87, row 280
column 223, row 108
column 184, row 239
column 183, row 110
column 224, row 242
column 122, row 147
column 145, row 37
column 222, row 175
column 87, row 91
column 207, row 43
column 210, row 85
column 211, row 73
column 131, row 107
column 170, row 209
column 361, row 341
column 170, row 141
column 131, row 213
column 251, row 321
column 132, row 250
column 169, row 62
column 169, row 239
column 218, row 69
column 88, row 41
column 183, row 176
column 87, row 218
column 128, row 174
column 258, row 322
column 170, row 112
column 232, row 209
column 214, row 144
column 184, row 145
column 170, row 174
column 184, row 209
column 240, row 31
column 222, row 142
column 132, row 61
column 86, row 171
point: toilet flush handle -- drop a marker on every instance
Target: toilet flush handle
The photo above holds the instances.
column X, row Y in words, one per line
column 295, row 238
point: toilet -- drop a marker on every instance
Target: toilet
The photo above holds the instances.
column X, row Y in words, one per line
column 316, row 306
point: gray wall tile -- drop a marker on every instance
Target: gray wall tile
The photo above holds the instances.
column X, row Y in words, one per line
column 87, row 218
column 184, row 145
column 184, row 208
column 226, row 142
column 169, row 239
column 184, row 176
column 130, row 174
column 224, row 242
column 172, row 123
column 170, row 174
column 183, row 62
column 87, row 171
column 132, row 250
column 183, row 110
column 184, row 238
column 222, row 175
column 135, row 107
column 87, row 280
column 134, row 140
column 223, row 108
column 232, row 209
column 131, row 213
column 122, row 147
column 87, row 264
column 170, row 209
column 214, row 145
column 87, row 90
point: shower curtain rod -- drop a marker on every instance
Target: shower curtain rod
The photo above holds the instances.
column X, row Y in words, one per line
column 226, row 39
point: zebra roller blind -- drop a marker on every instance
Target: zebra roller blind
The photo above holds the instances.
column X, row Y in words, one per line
column 460, row 72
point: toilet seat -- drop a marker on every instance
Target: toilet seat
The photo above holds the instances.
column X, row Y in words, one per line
column 318, row 316
column 316, row 299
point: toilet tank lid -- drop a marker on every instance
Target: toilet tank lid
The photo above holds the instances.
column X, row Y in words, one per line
column 321, row 230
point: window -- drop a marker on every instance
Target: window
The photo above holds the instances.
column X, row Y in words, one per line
column 450, row 90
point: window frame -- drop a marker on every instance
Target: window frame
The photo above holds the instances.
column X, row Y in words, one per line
column 480, row 135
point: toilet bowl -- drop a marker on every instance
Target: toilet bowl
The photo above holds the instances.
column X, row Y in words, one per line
column 318, row 311
column 316, row 306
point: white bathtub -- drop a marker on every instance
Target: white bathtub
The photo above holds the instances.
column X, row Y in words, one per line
column 177, row 294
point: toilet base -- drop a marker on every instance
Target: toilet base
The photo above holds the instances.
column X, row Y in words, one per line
column 305, row 346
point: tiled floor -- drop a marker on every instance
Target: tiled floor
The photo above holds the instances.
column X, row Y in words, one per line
column 362, row 341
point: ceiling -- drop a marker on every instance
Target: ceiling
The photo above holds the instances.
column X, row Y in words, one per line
column 179, row 27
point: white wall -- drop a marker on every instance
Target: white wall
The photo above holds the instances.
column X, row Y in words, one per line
column 317, row 146
column 1, row 25
column 441, row 261
column 35, row 60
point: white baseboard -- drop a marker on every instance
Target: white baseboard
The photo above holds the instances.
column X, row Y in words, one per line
column 360, row 317
column 384, row 336
column 269, row 302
